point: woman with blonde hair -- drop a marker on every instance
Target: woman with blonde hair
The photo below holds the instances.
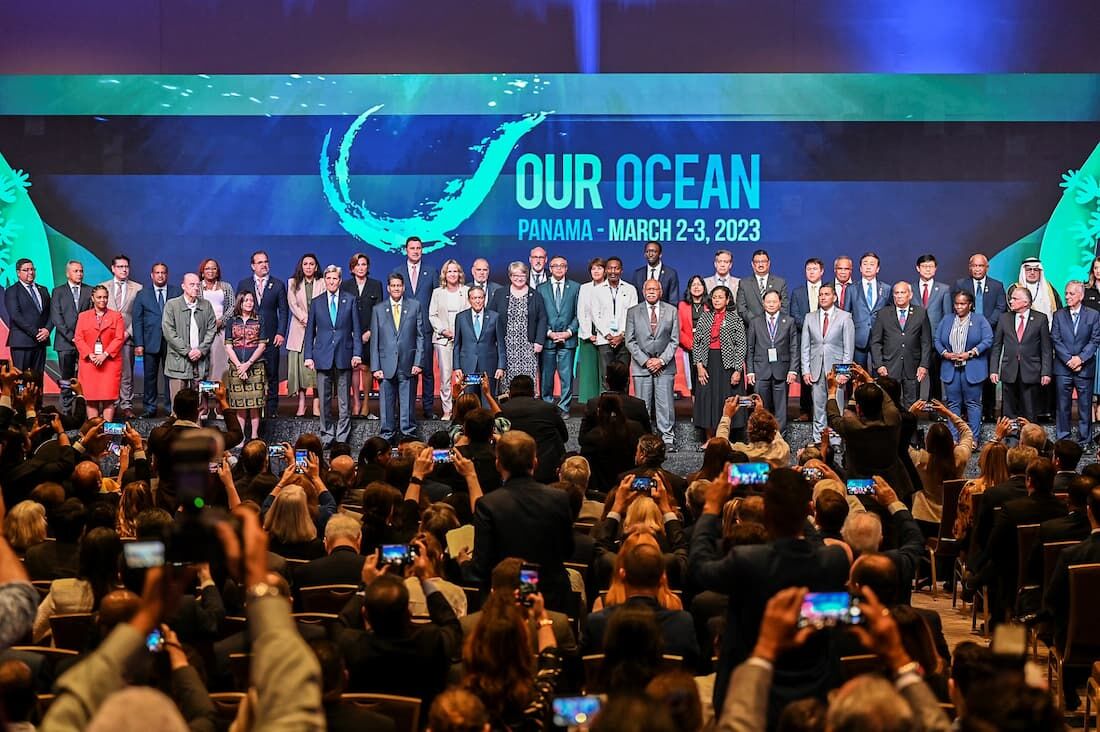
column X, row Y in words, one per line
column 135, row 497
column 290, row 526
column 448, row 300
column 25, row 526
column 634, row 511
column 992, row 470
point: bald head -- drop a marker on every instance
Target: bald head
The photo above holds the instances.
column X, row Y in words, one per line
column 878, row 572
column 345, row 466
column 117, row 606
column 86, row 479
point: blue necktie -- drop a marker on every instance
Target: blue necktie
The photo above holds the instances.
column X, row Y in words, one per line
column 870, row 297
column 1075, row 316
column 477, row 326
column 979, row 291
column 332, row 308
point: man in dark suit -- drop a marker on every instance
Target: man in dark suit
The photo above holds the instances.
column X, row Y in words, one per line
column 333, row 346
column 67, row 301
column 1037, row 506
column 339, row 715
column 804, row 300
column 28, row 306
column 773, row 355
column 479, row 342
column 397, row 327
column 1074, row 526
column 989, row 301
column 869, row 297
column 559, row 295
column 60, row 558
column 1075, row 334
column 343, row 564
column 935, row 298
column 526, row 519
column 758, row 572
column 367, row 292
column 750, row 293
column 147, row 316
column 901, row 343
column 271, row 303
column 617, row 378
column 539, row 419
column 843, row 284
column 420, row 279
column 655, row 269
column 1021, row 356
column 1066, row 455
column 479, row 277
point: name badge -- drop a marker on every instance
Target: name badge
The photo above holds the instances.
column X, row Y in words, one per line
column 773, row 355
column 98, row 348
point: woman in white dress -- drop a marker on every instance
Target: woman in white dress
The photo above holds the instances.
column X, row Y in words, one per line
column 448, row 300
column 220, row 295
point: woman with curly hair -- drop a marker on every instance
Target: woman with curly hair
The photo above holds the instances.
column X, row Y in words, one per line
column 765, row 442
column 134, row 498
column 25, row 526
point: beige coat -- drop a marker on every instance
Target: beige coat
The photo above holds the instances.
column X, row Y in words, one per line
column 298, row 312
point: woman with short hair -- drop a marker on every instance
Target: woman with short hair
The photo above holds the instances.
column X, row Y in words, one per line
column 525, row 324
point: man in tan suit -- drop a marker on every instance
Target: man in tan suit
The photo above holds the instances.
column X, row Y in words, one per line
column 121, row 293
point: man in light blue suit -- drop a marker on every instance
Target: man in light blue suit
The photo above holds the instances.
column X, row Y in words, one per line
column 479, row 342
column 332, row 347
column 560, row 298
column 935, row 298
column 397, row 350
column 1076, row 336
column 963, row 341
column 828, row 339
column 871, row 295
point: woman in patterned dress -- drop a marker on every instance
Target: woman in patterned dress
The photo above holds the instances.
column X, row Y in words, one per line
column 525, row 324
column 245, row 379
column 718, row 352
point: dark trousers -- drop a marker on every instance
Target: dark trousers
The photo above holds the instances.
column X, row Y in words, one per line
column 1065, row 384
column 154, row 383
column 271, row 367
column 66, row 365
column 1019, row 399
column 862, row 356
column 427, row 377
column 773, row 393
column 609, row 354
column 34, row 359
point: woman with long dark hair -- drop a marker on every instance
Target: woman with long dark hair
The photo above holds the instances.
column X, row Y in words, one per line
column 696, row 299
column 610, row 446
column 1092, row 300
column 219, row 294
column 99, row 336
column 941, row 459
column 589, row 376
column 305, row 284
column 97, row 575
column 246, row 377
column 718, row 352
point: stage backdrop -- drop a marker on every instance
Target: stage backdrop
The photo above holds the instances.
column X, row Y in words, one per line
column 178, row 168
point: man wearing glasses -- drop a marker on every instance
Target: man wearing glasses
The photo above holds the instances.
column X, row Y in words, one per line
column 28, row 306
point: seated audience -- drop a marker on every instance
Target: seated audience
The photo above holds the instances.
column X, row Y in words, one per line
column 341, row 717
column 617, row 377
column 542, row 421
column 100, row 550
column 610, row 445
column 942, row 458
column 291, row 528
column 25, row 526
column 992, row 470
column 433, row 570
column 342, row 563
column 765, row 442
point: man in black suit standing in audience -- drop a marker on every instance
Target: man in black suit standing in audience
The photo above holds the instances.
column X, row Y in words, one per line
column 1021, row 359
column 272, row 305
column 617, row 378
column 526, row 519
column 343, row 565
column 773, row 356
column 1067, row 454
column 901, row 344
column 542, row 421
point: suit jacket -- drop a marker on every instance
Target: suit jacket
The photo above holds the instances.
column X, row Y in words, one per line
column 677, row 629
column 633, row 407
column 1083, row 343
column 333, row 345
column 63, row 314
column 751, row 575
column 786, row 346
column 397, row 351
column 1003, row 544
column 993, row 501
column 801, row 305
column 733, row 283
column 131, row 290
column 1074, row 526
column 272, row 306
column 644, row 344
column 669, row 279
column 343, row 566
column 484, row 355
column 542, row 420
column 524, row 518
column 176, row 326
column 863, row 314
column 902, row 352
column 749, row 303
column 1056, row 599
column 372, row 295
column 536, row 313
column 24, row 317
column 818, row 356
column 489, row 287
column 296, row 303
column 994, row 302
column 565, row 317
column 849, row 295
column 978, row 336
column 427, row 279
column 872, row 444
column 52, row 560
column 148, row 317
column 939, row 302
column 1023, row 360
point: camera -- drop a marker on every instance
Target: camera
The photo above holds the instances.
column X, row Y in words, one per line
column 828, row 609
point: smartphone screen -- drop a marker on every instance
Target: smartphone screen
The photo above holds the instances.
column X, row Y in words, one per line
column 749, row 473
column 572, row 711
column 842, row 369
column 276, row 451
column 155, row 641
column 861, row 486
column 745, row 401
column 441, row 456
column 473, row 379
column 812, row 474
column 143, row 554
column 207, row 387
column 301, row 458
column 528, row 582
column 826, row 609
column 643, row 484
column 113, row 428
column 396, row 554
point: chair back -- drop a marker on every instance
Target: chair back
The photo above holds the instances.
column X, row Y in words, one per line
column 43, row 587
column 1083, row 632
column 473, row 599
column 52, row 656
column 852, row 666
column 315, row 618
column 1026, row 536
column 226, row 704
column 326, row 598
column 232, row 624
column 946, row 544
column 72, row 630
column 1052, row 550
column 240, row 665
column 592, row 665
column 403, row 710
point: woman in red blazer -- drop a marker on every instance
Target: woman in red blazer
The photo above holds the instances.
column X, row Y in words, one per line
column 99, row 336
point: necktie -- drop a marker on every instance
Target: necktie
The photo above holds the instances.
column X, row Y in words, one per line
column 653, row 320
column 260, row 291
column 557, row 295
column 477, row 326
column 652, row 273
column 763, row 284
column 120, row 294
column 1020, row 327
column 194, row 329
column 413, row 277
column 979, row 291
column 396, row 309
column 902, row 315
column 870, row 296
column 771, row 327
column 1075, row 316
column 924, row 294
column 34, row 296
column 76, row 297
column 332, row 308
column 825, row 326
column 160, row 297
column 842, row 289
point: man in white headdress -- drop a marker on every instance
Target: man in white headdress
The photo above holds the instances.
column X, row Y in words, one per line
column 1044, row 297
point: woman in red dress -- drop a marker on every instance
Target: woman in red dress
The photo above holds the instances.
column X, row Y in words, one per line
column 99, row 336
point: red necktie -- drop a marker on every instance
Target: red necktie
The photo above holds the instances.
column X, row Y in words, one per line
column 842, row 289
column 1020, row 321
column 825, row 326
column 924, row 294
column 653, row 319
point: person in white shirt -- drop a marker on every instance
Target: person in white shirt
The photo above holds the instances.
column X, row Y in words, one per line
column 121, row 292
column 589, row 375
column 448, row 300
column 723, row 273
column 610, row 306
column 842, row 271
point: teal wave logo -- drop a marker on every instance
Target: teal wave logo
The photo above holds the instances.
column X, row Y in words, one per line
column 435, row 221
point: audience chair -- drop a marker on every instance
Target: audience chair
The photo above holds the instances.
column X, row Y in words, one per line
column 326, row 598
column 1082, row 646
column 473, row 599
column 853, row 666
column 233, row 624
column 240, row 666
column 1026, row 536
column 226, row 705
column 403, row 710
column 52, row 656
column 1092, row 695
column 72, row 630
column 944, row 544
column 960, row 560
column 44, row 702
column 43, row 587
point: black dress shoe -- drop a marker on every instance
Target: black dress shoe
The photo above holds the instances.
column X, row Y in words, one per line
column 127, row 413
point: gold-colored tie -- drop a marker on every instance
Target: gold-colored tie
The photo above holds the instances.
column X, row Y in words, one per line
column 396, row 316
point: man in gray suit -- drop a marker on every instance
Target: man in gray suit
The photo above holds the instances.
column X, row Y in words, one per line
column 828, row 338
column 189, row 327
column 901, row 344
column 772, row 356
column 652, row 327
column 396, row 351
column 723, row 273
column 935, row 298
column 750, row 293
column 67, row 301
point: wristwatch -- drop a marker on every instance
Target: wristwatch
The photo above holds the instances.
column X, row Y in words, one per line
column 262, row 589
column 908, row 668
column 544, row 622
